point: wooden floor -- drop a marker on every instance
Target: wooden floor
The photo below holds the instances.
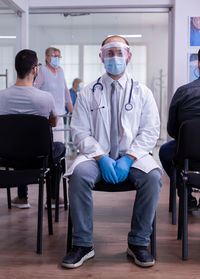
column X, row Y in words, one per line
column 112, row 212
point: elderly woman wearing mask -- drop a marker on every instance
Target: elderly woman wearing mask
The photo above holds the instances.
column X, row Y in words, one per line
column 51, row 78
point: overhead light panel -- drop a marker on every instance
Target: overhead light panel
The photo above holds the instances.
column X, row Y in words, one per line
column 7, row 37
column 129, row 36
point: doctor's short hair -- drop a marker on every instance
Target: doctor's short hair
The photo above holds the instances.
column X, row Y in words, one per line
column 199, row 55
column 113, row 37
column 25, row 60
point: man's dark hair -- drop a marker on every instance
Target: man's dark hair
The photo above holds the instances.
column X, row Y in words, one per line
column 199, row 55
column 126, row 42
column 25, row 60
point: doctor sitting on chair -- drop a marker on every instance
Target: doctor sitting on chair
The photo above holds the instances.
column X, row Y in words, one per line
column 115, row 124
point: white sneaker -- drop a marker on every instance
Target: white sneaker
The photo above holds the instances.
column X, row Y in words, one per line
column 21, row 203
column 53, row 203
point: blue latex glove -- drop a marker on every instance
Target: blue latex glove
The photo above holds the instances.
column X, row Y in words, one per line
column 107, row 165
column 122, row 167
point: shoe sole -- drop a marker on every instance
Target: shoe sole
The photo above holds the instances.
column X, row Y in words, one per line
column 53, row 206
column 142, row 264
column 21, row 206
column 88, row 256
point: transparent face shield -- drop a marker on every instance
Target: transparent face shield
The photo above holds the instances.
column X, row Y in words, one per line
column 115, row 49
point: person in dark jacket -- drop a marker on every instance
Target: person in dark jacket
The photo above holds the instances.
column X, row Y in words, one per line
column 185, row 105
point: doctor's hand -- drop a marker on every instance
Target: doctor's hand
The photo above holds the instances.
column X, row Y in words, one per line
column 107, row 165
column 122, row 167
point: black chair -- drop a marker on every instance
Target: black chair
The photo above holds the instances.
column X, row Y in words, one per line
column 60, row 166
column 109, row 187
column 187, row 160
column 25, row 154
column 172, row 195
column 60, row 169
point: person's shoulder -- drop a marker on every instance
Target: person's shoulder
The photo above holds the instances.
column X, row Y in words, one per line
column 142, row 86
column 41, row 93
column 4, row 91
column 136, row 84
column 7, row 90
column 190, row 85
column 89, row 86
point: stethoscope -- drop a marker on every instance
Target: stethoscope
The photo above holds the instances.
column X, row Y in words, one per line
column 128, row 106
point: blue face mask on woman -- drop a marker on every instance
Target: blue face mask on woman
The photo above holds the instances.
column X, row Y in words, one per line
column 55, row 62
column 115, row 65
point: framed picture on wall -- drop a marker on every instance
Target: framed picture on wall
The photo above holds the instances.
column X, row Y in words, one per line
column 194, row 31
column 193, row 71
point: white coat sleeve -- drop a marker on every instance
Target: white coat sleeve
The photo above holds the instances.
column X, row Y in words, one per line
column 149, row 128
column 81, row 126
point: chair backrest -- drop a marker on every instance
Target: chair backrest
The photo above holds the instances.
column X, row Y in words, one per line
column 188, row 144
column 24, row 137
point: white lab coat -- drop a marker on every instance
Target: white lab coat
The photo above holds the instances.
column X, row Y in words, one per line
column 140, row 127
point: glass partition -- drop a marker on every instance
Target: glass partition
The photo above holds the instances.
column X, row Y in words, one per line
column 7, row 49
column 80, row 36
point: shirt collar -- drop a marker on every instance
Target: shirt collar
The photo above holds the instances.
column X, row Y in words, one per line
column 122, row 81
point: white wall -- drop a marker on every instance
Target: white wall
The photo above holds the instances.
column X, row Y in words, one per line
column 183, row 9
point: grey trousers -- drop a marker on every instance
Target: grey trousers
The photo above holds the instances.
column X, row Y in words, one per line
column 81, row 183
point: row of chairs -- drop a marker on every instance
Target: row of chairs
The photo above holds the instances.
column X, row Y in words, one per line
column 26, row 158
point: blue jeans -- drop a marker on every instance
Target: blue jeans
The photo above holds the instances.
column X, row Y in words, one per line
column 81, row 183
column 166, row 155
column 58, row 152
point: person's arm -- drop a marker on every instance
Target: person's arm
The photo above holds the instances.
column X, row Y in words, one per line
column 39, row 79
column 132, row 157
column 82, row 128
column 148, row 125
column 97, row 158
column 53, row 120
column 70, row 107
column 68, row 99
column 172, row 124
column 53, row 117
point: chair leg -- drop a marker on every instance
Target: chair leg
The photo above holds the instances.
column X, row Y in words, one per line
column 185, row 222
column 180, row 214
column 65, row 193
column 153, row 238
column 64, row 185
column 8, row 197
column 173, row 186
column 57, row 192
column 170, row 191
column 40, row 215
column 69, row 233
column 49, row 210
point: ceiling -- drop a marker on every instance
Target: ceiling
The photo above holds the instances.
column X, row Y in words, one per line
column 112, row 19
column 3, row 5
column 98, row 19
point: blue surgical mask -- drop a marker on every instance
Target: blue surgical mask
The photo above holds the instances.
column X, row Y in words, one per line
column 115, row 65
column 55, row 62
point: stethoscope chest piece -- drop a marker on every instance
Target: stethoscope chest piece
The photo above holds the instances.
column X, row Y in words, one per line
column 128, row 107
